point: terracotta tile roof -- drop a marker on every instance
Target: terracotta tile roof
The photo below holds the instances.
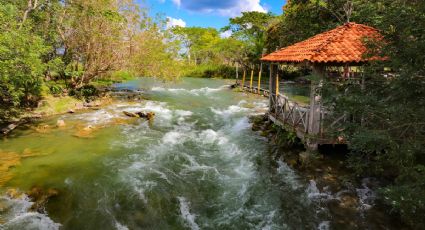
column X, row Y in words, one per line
column 341, row 45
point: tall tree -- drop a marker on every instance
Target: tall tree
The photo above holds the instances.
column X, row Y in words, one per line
column 251, row 28
column 197, row 42
column 21, row 64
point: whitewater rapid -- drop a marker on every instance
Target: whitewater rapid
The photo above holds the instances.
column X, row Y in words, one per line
column 197, row 165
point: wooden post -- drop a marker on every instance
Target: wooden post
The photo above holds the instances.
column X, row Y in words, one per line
column 259, row 79
column 243, row 79
column 252, row 78
column 237, row 73
column 272, row 88
column 314, row 124
column 277, row 85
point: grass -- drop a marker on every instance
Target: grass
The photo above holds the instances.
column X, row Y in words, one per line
column 51, row 105
column 301, row 100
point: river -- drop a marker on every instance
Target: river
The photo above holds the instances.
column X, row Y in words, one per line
column 198, row 165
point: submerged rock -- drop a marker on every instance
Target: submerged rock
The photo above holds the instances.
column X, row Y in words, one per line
column 60, row 123
column 7, row 161
column 40, row 197
column 8, row 129
column 86, row 132
column 43, row 129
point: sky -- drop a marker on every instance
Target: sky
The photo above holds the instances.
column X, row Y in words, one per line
column 209, row 13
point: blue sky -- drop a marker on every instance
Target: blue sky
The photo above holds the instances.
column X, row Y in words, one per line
column 209, row 13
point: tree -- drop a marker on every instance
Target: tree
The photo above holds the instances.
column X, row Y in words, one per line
column 20, row 63
column 92, row 33
column 251, row 28
column 197, row 42
column 155, row 53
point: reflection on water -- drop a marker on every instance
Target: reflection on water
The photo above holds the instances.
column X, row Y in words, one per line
column 197, row 166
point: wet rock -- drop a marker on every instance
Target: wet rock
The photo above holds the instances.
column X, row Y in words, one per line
column 60, row 123
column 71, row 111
column 86, row 132
column 305, row 158
column 292, row 162
column 349, row 201
column 43, row 129
column 14, row 193
column 40, row 197
column 8, row 129
column 92, row 104
column 149, row 115
column 128, row 114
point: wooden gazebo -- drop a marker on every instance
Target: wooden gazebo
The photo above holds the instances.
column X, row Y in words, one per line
column 342, row 47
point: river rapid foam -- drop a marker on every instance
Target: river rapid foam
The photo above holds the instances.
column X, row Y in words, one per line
column 197, row 165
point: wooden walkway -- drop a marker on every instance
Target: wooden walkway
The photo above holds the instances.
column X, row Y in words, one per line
column 290, row 114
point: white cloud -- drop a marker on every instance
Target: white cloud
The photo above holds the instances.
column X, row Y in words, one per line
column 173, row 22
column 226, row 34
column 230, row 8
column 177, row 2
column 243, row 6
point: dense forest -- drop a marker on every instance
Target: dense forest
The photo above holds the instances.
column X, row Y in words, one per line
column 64, row 47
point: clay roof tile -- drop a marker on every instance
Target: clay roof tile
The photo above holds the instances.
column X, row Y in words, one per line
column 343, row 44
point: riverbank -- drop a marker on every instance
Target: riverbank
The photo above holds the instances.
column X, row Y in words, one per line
column 354, row 202
column 52, row 106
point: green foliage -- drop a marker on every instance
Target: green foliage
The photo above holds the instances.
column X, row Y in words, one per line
column 87, row 92
column 54, row 47
column 210, row 71
column 250, row 28
column 21, row 66
column 408, row 196
column 198, row 42
column 287, row 138
column 122, row 75
column 386, row 125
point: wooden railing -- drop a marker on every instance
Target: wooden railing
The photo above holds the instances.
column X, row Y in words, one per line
column 290, row 113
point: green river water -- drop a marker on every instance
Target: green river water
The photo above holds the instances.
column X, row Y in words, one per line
column 197, row 166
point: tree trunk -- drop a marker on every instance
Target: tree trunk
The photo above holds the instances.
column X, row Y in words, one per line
column 30, row 7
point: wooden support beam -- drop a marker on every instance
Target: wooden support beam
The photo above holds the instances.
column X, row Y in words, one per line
column 259, row 79
column 277, row 85
column 272, row 87
column 251, row 79
column 243, row 78
column 315, row 115
column 237, row 73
